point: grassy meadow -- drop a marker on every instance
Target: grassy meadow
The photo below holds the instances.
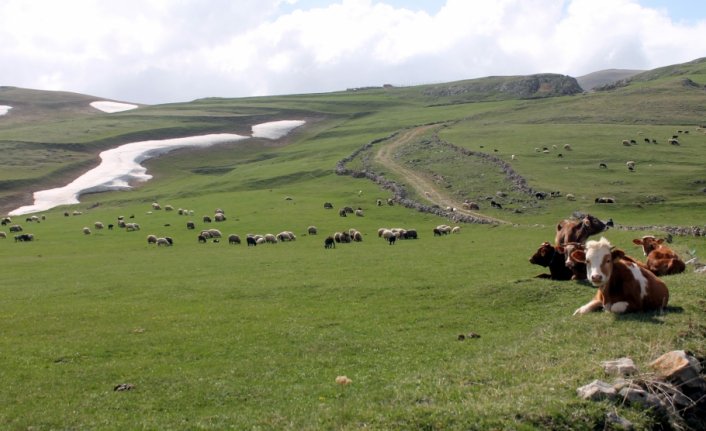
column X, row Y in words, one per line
column 219, row 336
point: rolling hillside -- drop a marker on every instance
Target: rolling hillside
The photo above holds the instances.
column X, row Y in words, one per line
column 102, row 330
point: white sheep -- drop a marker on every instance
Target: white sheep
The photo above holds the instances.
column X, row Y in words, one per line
column 570, row 197
column 163, row 241
column 311, row 230
column 3, row 235
column 151, row 239
column 456, row 229
column 359, row 212
column 98, row 225
column 86, row 231
column 156, row 206
column 270, row 238
column 130, row 227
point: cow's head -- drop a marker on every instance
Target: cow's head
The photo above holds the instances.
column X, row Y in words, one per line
column 590, row 225
column 598, row 257
column 567, row 250
column 544, row 255
column 648, row 243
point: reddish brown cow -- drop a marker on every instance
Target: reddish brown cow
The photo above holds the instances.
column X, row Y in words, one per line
column 623, row 286
column 661, row 259
column 547, row 256
column 573, row 230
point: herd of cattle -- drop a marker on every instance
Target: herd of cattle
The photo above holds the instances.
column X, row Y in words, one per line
column 624, row 283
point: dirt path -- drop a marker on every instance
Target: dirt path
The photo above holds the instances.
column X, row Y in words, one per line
column 424, row 187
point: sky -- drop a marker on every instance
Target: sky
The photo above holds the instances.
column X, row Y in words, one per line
column 163, row 51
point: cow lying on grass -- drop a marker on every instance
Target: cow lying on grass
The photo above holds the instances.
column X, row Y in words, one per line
column 623, row 285
column 547, row 256
column 661, row 259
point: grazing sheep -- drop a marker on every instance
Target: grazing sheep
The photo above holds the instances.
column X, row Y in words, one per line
column 285, row 236
column 24, row 237
column 164, row 242
column 390, row 201
column 202, row 238
column 86, row 231
column 357, row 236
column 98, row 225
column 156, row 206
column 456, row 229
column 342, row 213
column 603, row 166
column 130, row 227
column 5, row 221
column 76, row 213
column 151, row 239
column 567, row 147
column 260, row 240
column 512, row 157
column 673, row 142
column 215, row 233
column 15, row 228
column 570, row 197
column 3, row 235
column 391, row 240
column 631, row 165
column 311, row 230
column 410, row 234
column 251, row 241
column 190, row 225
column 329, row 242
column 206, row 219
column 328, row 205
column 219, row 217
column 359, row 212
column 168, row 208
column 233, row 239
column 378, row 202
column 387, row 233
column 270, row 238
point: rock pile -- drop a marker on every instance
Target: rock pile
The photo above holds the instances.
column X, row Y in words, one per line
column 674, row 389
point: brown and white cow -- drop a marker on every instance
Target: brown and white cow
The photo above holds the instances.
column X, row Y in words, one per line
column 577, row 268
column 661, row 259
column 623, row 285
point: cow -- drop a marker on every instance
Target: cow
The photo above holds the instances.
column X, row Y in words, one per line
column 577, row 230
column 661, row 259
column 623, row 285
column 547, row 256
column 578, row 269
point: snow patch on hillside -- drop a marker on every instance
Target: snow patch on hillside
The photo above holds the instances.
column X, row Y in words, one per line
column 111, row 107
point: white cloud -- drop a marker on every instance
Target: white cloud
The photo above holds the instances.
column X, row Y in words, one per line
column 154, row 51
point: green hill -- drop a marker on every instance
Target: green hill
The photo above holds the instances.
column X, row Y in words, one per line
column 106, row 331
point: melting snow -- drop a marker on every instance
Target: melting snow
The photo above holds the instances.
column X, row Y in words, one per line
column 120, row 166
column 111, row 107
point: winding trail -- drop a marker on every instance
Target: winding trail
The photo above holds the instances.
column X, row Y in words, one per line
column 419, row 182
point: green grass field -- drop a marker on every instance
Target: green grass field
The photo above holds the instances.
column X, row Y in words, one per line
column 219, row 336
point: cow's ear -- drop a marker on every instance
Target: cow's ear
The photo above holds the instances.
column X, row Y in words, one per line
column 637, row 241
column 579, row 256
column 660, row 241
column 560, row 225
column 617, row 253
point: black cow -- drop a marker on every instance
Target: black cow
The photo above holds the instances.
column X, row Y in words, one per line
column 548, row 256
